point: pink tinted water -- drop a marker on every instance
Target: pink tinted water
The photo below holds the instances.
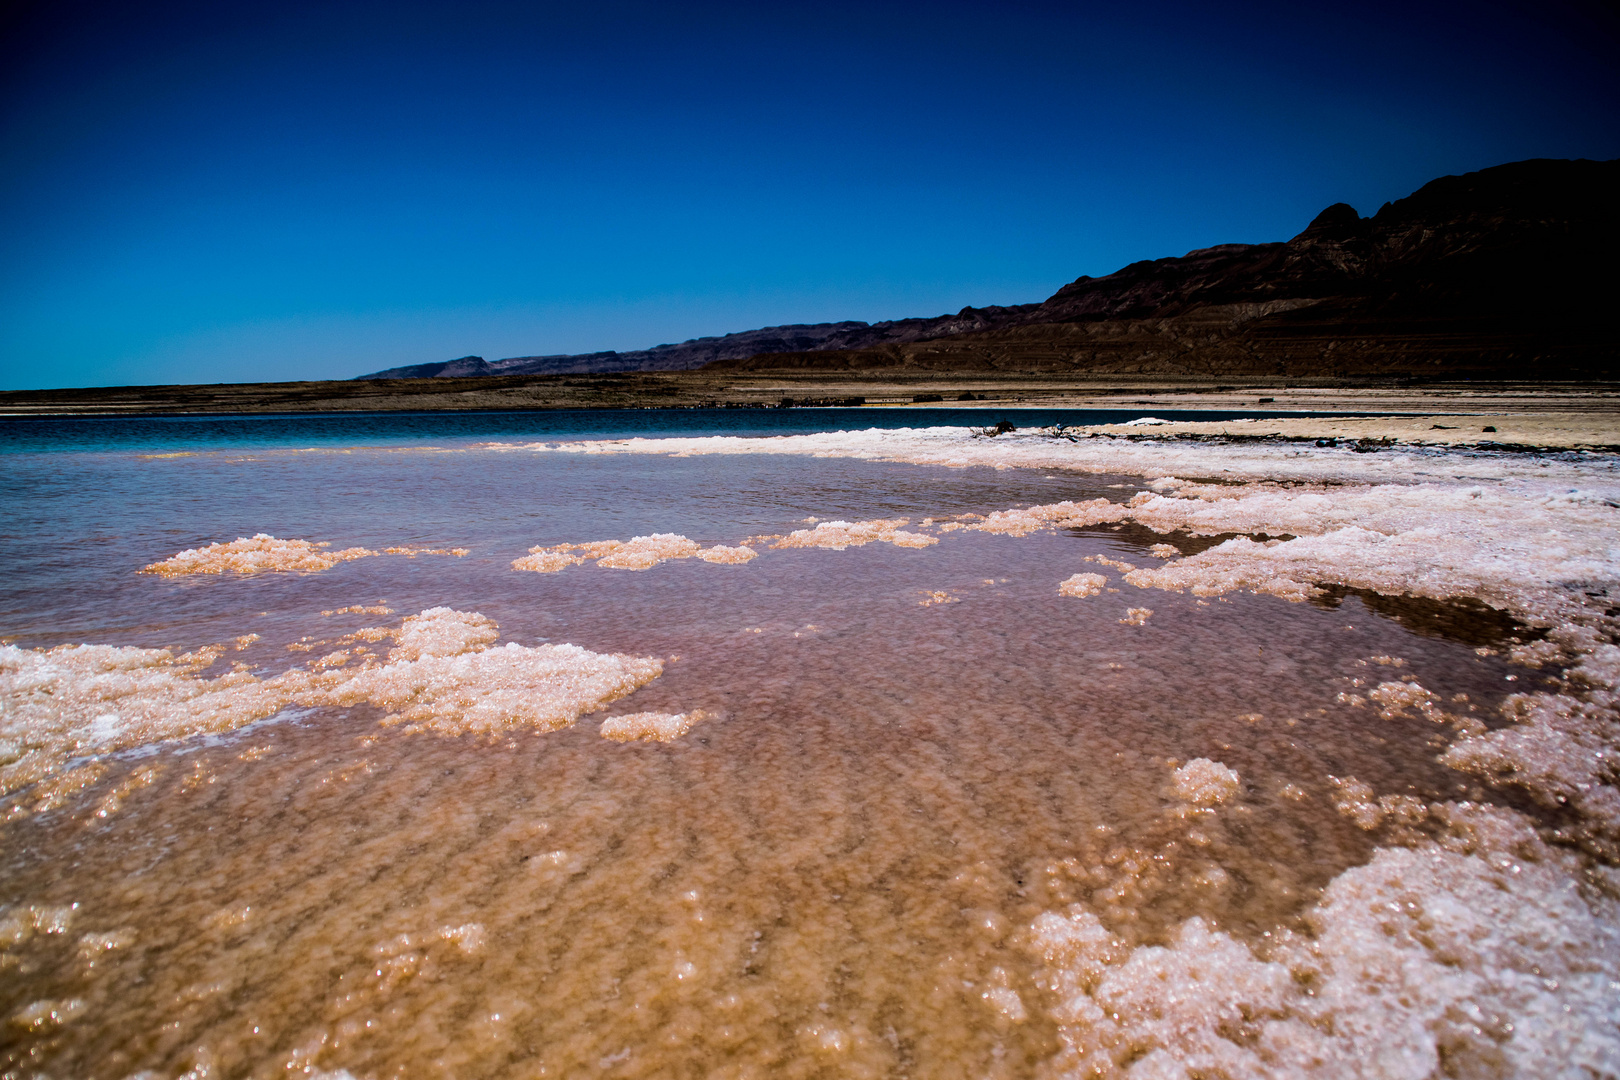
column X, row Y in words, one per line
column 911, row 755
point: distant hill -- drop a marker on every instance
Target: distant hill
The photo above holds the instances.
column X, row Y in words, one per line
column 701, row 351
column 1506, row 272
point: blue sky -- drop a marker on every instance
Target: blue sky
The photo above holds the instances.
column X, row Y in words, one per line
column 254, row 192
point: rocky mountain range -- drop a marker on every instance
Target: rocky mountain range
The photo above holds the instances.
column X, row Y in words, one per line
column 1506, row 272
column 703, row 351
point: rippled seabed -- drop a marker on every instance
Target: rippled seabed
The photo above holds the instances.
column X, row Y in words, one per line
column 932, row 817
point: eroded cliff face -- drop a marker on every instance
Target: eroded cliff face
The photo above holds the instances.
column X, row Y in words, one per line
column 1506, row 272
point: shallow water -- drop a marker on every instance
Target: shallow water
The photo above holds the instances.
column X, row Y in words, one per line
column 910, row 755
column 167, row 433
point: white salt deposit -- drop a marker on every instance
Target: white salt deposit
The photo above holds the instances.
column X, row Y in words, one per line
column 1395, row 699
column 1136, row 616
column 442, row 675
column 729, row 556
column 82, row 699
column 1082, row 585
column 1054, row 516
column 1475, row 955
column 838, row 535
column 1563, row 749
column 261, row 553
column 489, row 691
column 651, row 726
column 546, row 560
column 646, row 552
column 442, row 631
column 637, row 553
column 1205, row 782
column 470, row 938
column 1149, row 457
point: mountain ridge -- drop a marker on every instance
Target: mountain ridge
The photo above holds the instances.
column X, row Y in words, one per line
column 1475, row 275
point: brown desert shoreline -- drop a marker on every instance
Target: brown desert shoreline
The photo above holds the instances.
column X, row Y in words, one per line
column 1560, row 416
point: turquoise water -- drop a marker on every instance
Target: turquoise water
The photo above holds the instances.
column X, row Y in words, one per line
column 50, row 435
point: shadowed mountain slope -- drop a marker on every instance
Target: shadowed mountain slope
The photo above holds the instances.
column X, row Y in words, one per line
column 1509, row 272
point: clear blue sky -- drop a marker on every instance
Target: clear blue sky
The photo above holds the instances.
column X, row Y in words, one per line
column 249, row 192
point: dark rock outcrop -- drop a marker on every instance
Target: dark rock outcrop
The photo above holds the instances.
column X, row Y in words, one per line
column 1506, row 272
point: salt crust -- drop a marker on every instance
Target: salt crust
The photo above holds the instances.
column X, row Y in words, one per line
column 1474, row 956
column 257, row 555
column 839, row 535
column 651, row 726
column 957, row 447
column 1082, row 585
column 731, row 556
column 1205, row 782
column 1056, row 515
column 1533, row 535
column 443, row 675
column 638, row 553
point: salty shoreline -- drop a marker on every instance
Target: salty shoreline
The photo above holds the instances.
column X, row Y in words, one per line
column 1221, row 834
column 1561, row 413
column 1513, row 417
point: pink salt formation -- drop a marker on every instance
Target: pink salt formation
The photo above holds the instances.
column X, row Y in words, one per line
column 729, row 556
column 260, row 554
column 1082, row 585
column 444, row 675
column 838, row 535
column 1474, row 954
column 1053, row 516
column 651, row 726
column 637, row 553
